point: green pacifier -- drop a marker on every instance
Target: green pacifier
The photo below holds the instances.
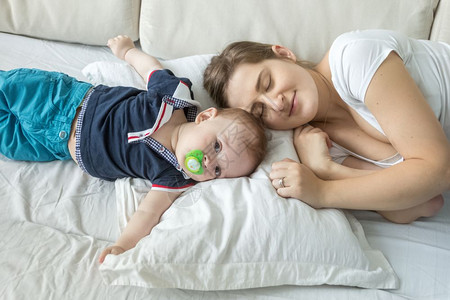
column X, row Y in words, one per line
column 193, row 162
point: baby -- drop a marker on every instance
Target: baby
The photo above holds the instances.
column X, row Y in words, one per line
column 116, row 132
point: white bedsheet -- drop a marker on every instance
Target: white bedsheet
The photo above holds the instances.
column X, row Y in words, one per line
column 55, row 220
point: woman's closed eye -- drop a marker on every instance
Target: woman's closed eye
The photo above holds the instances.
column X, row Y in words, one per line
column 269, row 83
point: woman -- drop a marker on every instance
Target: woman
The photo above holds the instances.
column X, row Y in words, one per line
column 379, row 94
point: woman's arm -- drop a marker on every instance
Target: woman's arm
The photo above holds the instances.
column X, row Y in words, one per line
column 312, row 146
column 123, row 47
column 142, row 222
column 411, row 128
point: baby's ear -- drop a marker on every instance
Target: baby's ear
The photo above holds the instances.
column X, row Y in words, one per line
column 206, row 114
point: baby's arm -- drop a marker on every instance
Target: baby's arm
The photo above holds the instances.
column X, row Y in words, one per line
column 142, row 222
column 123, row 47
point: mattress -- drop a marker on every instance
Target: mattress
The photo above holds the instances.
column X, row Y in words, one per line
column 55, row 220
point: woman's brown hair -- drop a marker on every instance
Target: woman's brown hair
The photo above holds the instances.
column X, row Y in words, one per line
column 219, row 71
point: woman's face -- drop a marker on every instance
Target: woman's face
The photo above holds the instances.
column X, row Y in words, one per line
column 279, row 91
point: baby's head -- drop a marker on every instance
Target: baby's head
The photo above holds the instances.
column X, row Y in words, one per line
column 222, row 67
column 223, row 143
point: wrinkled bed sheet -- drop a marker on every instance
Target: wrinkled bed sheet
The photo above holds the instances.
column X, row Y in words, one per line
column 55, row 220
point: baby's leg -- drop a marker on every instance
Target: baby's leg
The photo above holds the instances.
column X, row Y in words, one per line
column 16, row 143
column 405, row 216
column 36, row 113
column 21, row 116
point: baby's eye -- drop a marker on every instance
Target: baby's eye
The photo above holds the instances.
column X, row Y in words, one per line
column 217, row 147
column 217, row 171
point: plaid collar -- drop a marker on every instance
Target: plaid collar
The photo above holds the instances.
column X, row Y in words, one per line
column 164, row 153
column 190, row 109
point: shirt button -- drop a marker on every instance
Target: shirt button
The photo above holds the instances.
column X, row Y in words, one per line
column 62, row 134
column 161, row 149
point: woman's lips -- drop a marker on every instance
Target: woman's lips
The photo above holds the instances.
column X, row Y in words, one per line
column 294, row 104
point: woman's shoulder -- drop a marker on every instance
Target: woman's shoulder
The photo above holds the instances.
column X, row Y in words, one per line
column 361, row 41
column 377, row 35
column 355, row 56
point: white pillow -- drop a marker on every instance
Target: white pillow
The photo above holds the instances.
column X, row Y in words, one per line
column 121, row 73
column 238, row 233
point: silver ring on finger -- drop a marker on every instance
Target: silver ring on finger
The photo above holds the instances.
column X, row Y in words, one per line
column 281, row 182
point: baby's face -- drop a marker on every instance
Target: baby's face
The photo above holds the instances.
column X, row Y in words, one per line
column 223, row 145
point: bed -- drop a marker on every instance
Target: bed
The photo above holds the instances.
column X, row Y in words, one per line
column 55, row 220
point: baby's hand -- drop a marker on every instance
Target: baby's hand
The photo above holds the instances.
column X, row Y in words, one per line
column 312, row 146
column 116, row 250
column 120, row 45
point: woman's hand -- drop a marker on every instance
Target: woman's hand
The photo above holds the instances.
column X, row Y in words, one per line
column 312, row 146
column 294, row 180
column 120, row 45
column 116, row 250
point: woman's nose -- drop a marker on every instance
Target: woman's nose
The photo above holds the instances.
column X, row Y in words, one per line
column 276, row 103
